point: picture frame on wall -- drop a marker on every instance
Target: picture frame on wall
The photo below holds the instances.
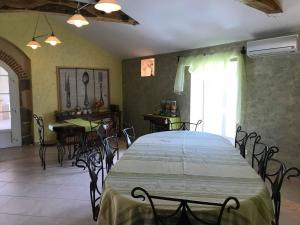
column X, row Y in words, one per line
column 83, row 89
column 148, row 67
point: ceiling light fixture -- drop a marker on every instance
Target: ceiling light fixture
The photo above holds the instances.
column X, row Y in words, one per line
column 33, row 44
column 51, row 39
column 77, row 20
column 108, row 6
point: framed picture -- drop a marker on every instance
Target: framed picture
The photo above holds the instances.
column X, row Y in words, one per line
column 82, row 88
column 148, row 67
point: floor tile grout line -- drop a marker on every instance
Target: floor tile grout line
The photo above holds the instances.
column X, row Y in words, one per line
column 57, row 217
column 44, row 198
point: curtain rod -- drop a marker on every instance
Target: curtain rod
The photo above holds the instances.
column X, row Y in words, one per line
column 243, row 52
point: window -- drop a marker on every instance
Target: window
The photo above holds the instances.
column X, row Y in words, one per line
column 214, row 97
column 5, row 114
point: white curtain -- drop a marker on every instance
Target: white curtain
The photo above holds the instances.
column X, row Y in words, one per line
column 217, row 87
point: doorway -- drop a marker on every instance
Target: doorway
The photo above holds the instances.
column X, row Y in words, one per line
column 10, row 121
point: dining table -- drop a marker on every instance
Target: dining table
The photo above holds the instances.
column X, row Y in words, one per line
column 71, row 133
column 187, row 165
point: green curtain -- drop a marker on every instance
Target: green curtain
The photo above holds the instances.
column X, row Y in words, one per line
column 199, row 63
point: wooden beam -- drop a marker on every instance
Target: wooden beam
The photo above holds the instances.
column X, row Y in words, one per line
column 65, row 7
column 266, row 6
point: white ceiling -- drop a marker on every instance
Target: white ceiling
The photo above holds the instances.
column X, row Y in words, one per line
column 174, row 25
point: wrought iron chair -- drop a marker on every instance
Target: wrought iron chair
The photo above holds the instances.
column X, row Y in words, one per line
column 241, row 139
column 259, row 150
column 94, row 164
column 42, row 143
column 111, row 147
column 69, row 137
column 129, row 135
column 183, row 213
column 184, row 125
column 276, row 177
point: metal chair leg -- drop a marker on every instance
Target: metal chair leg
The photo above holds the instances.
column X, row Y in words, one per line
column 44, row 157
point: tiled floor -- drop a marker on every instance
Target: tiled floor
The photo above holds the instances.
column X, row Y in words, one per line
column 60, row 196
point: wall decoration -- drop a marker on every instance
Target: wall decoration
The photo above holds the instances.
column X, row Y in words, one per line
column 148, row 67
column 83, row 89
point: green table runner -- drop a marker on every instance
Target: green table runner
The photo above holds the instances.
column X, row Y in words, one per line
column 83, row 123
column 79, row 122
column 182, row 164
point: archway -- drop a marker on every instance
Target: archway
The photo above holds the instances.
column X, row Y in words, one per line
column 18, row 61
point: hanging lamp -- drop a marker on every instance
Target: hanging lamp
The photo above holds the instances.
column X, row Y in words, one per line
column 77, row 20
column 108, row 6
column 33, row 44
column 51, row 39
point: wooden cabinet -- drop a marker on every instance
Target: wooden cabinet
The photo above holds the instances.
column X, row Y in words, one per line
column 160, row 123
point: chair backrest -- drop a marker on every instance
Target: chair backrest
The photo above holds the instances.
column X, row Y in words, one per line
column 183, row 125
column 111, row 148
column 129, row 135
column 275, row 174
column 41, row 130
column 258, row 151
column 183, row 213
column 94, row 164
column 241, row 139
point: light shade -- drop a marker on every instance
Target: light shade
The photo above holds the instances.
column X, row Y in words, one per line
column 77, row 20
column 108, row 6
column 33, row 44
column 52, row 40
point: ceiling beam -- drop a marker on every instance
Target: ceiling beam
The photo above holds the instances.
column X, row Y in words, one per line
column 266, row 6
column 65, row 7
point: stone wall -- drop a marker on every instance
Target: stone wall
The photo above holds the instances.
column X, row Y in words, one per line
column 142, row 95
column 271, row 104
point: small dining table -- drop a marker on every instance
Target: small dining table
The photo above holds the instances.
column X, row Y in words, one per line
column 71, row 132
column 188, row 165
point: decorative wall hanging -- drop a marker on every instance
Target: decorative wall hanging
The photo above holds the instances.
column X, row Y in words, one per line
column 83, row 89
column 148, row 67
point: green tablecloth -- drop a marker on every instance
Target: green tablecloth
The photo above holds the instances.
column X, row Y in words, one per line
column 182, row 164
column 79, row 122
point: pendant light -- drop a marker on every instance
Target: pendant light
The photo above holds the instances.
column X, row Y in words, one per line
column 51, row 39
column 108, row 6
column 77, row 20
column 33, row 44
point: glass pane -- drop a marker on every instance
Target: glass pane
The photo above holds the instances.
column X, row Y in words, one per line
column 5, row 121
column 4, row 102
column 4, row 84
column 3, row 71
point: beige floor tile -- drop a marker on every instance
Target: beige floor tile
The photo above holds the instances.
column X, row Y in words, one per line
column 60, row 195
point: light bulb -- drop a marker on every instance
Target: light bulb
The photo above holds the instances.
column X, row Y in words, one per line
column 53, row 43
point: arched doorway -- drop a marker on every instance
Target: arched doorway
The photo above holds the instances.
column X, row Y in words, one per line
column 10, row 122
column 16, row 64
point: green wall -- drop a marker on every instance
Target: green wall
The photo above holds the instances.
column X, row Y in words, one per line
column 73, row 52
